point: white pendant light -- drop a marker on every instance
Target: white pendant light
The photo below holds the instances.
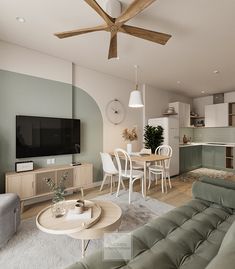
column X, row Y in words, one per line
column 135, row 96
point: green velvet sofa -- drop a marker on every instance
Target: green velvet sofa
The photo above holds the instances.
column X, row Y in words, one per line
column 200, row 234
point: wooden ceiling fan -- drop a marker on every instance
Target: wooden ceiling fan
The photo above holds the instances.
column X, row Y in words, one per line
column 115, row 25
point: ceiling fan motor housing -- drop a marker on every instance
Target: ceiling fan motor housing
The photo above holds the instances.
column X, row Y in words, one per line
column 113, row 8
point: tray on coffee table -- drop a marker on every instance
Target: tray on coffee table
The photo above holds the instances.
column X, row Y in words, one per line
column 49, row 224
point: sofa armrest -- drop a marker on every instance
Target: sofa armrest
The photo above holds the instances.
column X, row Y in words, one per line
column 214, row 193
column 220, row 182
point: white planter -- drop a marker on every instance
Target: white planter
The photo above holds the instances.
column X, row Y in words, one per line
column 129, row 148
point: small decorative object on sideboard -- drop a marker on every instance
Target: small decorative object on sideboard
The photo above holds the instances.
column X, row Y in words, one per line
column 58, row 206
column 129, row 135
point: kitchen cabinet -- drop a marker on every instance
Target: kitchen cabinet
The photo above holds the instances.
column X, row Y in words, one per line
column 190, row 158
column 183, row 111
column 217, row 115
column 200, row 103
column 214, row 157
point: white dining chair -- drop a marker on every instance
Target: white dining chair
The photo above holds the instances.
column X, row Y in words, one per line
column 161, row 168
column 125, row 170
column 109, row 171
column 138, row 165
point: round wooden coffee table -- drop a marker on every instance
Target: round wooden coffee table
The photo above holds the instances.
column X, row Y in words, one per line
column 108, row 221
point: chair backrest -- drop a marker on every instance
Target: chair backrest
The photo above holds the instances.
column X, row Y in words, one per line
column 121, row 154
column 167, row 151
column 145, row 151
column 107, row 162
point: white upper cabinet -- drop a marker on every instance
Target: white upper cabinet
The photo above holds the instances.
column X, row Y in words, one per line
column 183, row 111
column 216, row 115
column 199, row 104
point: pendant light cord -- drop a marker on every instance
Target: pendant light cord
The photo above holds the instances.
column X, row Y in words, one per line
column 136, row 77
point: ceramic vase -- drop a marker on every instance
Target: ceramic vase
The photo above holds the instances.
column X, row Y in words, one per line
column 129, row 148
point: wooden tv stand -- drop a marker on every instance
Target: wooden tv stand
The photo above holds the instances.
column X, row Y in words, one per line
column 31, row 186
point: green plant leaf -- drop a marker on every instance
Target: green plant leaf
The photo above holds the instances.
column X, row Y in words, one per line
column 153, row 137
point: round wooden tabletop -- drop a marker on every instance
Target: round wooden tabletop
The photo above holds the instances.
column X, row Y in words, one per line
column 106, row 217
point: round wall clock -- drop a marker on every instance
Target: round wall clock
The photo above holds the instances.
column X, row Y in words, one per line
column 115, row 111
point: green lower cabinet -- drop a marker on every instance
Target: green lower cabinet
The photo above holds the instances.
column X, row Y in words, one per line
column 208, row 156
column 190, row 158
column 214, row 157
column 220, row 158
column 193, row 157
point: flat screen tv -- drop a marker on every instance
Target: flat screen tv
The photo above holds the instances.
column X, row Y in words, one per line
column 42, row 136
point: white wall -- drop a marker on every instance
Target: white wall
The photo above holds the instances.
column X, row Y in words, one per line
column 100, row 86
column 30, row 62
column 156, row 101
column 104, row 88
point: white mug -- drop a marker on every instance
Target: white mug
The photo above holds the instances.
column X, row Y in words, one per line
column 78, row 208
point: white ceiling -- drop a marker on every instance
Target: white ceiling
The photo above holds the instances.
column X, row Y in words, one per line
column 203, row 40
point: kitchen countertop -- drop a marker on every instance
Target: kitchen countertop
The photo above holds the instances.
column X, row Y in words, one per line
column 193, row 144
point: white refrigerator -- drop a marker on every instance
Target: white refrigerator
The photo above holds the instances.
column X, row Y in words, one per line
column 171, row 138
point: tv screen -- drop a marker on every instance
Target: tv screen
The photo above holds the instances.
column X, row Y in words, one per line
column 41, row 136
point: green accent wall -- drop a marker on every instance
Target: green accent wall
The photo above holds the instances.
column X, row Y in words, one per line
column 27, row 95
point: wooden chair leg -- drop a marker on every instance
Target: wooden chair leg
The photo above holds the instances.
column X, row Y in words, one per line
column 123, row 185
column 165, row 183
column 149, row 180
column 169, row 179
column 111, row 184
column 102, row 185
column 162, row 179
column 119, row 185
column 142, row 186
column 130, row 191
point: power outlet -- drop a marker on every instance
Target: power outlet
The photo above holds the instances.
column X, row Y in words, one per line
column 51, row 161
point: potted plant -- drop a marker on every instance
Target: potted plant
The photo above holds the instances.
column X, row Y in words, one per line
column 129, row 135
column 58, row 208
column 153, row 137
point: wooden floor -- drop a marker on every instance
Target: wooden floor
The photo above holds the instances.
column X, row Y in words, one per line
column 178, row 195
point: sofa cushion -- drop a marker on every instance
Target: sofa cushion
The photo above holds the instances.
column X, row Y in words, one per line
column 187, row 237
column 226, row 256
column 215, row 194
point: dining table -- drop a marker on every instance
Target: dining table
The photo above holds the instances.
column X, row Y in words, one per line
column 145, row 159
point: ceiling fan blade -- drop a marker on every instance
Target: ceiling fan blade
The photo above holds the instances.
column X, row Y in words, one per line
column 113, row 47
column 156, row 37
column 93, row 4
column 81, row 31
column 132, row 10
